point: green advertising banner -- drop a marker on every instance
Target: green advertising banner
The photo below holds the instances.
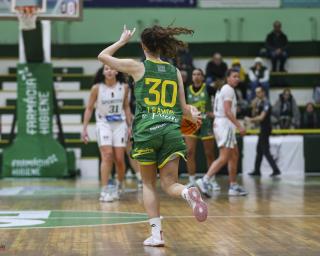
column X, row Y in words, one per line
column 34, row 152
column 301, row 3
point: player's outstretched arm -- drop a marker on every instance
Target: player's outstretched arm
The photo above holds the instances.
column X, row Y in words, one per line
column 129, row 66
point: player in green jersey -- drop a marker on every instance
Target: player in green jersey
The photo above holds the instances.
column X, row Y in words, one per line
column 200, row 96
column 160, row 104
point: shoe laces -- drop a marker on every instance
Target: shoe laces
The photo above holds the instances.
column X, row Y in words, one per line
column 207, row 186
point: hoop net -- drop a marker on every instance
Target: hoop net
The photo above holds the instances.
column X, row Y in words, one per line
column 27, row 16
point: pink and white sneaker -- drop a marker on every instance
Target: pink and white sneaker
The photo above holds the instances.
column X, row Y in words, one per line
column 199, row 207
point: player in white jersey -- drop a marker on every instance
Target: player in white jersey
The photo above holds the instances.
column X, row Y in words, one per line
column 113, row 117
column 225, row 125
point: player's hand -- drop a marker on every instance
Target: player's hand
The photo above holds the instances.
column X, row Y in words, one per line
column 247, row 119
column 192, row 113
column 85, row 136
column 242, row 131
column 126, row 35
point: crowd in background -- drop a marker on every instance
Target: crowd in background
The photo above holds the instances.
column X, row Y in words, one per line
column 285, row 113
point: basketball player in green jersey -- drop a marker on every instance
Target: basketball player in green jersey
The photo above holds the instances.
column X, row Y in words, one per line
column 160, row 104
column 200, row 96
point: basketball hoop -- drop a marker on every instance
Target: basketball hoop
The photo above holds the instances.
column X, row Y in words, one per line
column 27, row 16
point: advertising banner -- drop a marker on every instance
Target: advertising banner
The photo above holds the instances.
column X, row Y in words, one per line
column 240, row 4
column 140, row 3
column 34, row 152
column 287, row 151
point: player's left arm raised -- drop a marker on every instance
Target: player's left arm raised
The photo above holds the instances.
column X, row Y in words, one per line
column 129, row 66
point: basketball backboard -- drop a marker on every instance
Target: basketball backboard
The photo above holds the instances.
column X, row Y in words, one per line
column 48, row 9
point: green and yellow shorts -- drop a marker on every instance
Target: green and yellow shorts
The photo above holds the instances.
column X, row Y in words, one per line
column 160, row 149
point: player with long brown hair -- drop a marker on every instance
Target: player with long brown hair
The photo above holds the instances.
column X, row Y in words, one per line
column 160, row 104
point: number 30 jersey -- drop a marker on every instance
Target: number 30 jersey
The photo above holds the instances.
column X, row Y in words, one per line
column 109, row 105
column 157, row 101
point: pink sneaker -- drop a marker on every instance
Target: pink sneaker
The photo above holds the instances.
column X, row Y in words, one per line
column 199, row 207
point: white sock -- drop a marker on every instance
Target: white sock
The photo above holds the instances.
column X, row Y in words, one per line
column 156, row 229
column 233, row 184
column 206, row 178
column 184, row 193
column 119, row 184
column 192, row 178
column 213, row 178
column 138, row 175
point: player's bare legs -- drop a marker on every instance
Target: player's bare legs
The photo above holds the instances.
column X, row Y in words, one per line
column 106, row 153
column 234, row 189
column 208, row 146
column 151, row 204
column 204, row 183
column 223, row 158
column 169, row 178
column 134, row 165
column 169, row 183
column 208, row 150
column 150, row 197
column 233, row 165
column 191, row 155
column 120, row 167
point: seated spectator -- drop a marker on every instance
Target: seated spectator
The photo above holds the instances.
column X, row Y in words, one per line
column 216, row 69
column 259, row 76
column 287, row 111
column 276, row 44
column 310, row 118
column 242, row 86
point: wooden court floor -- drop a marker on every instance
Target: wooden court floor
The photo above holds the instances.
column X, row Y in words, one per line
column 64, row 217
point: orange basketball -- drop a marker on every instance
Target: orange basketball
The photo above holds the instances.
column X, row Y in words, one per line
column 188, row 127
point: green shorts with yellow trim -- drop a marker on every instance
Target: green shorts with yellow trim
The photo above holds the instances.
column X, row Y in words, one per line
column 205, row 132
column 160, row 149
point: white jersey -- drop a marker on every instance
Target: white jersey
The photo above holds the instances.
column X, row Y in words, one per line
column 224, row 129
column 225, row 93
column 109, row 105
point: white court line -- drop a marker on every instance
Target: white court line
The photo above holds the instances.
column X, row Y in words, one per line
column 66, row 218
column 165, row 217
column 191, row 216
column 79, row 226
column 247, row 216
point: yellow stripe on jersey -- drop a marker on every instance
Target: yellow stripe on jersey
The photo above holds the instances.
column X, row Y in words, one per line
column 198, row 92
column 158, row 61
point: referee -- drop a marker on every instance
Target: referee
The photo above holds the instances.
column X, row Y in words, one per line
column 263, row 147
